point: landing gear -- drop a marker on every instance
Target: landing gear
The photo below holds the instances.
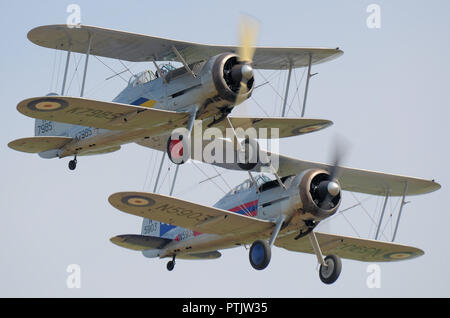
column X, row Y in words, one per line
column 330, row 267
column 73, row 164
column 260, row 251
column 260, row 254
column 171, row 264
column 329, row 274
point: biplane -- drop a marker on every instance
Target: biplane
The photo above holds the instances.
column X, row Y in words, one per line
column 262, row 211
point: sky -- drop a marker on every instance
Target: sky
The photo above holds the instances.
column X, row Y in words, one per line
column 387, row 95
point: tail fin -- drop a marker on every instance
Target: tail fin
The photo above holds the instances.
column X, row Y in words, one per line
column 158, row 229
column 51, row 128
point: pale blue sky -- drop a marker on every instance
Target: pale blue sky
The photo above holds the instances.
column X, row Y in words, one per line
column 388, row 95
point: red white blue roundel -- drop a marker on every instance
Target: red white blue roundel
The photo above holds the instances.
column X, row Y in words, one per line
column 47, row 104
column 137, row 201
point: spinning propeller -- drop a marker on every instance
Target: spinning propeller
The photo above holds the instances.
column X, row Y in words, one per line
column 243, row 72
column 329, row 188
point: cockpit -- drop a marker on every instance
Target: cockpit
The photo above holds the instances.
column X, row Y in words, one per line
column 148, row 75
column 247, row 184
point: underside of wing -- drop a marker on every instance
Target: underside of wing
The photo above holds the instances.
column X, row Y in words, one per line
column 99, row 114
column 101, row 151
column 351, row 248
column 186, row 214
column 139, row 242
column 363, row 181
column 200, row 256
column 139, row 48
column 285, row 127
column 38, row 144
column 350, row 179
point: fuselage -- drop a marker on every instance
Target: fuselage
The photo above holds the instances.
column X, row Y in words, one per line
column 177, row 91
column 263, row 199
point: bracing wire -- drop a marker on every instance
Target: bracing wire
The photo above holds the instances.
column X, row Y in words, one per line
column 151, row 159
column 53, row 71
column 75, row 73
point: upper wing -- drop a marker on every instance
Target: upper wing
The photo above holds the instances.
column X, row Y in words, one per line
column 38, row 144
column 98, row 114
column 354, row 180
column 363, row 181
column 350, row 247
column 186, row 214
column 139, row 48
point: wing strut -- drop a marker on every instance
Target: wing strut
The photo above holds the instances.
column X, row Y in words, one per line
column 400, row 211
column 186, row 66
column 287, row 88
column 88, row 52
column 309, row 75
column 159, row 172
column 66, row 70
column 382, row 214
column 288, row 83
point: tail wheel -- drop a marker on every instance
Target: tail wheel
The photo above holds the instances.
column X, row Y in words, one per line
column 175, row 150
column 259, row 255
column 330, row 273
column 72, row 164
column 170, row 266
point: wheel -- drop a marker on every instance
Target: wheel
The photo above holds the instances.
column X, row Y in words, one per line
column 259, row 255
column 330, row 273
column 176, row 150
column 248, row 159
column 170, row 266
column 72, row 164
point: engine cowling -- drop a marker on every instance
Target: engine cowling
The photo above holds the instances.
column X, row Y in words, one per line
column 320, row 196
column 227, row 74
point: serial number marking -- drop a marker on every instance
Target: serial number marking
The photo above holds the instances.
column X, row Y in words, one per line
column 83, row 134
column 45, row 127
column 96, row 113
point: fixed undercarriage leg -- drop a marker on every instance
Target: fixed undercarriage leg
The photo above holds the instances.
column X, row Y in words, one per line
column 260, row 251
column 330, row 266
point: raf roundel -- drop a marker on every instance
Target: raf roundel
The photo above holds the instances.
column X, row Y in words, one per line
column 137, row 201
column 47, row 104
column 399, row 255
column 308, row 129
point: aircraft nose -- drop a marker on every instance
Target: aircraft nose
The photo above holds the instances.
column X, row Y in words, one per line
column 247, row 71
column 333, row 188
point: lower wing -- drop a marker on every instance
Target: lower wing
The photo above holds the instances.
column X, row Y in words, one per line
column 351, row 247
column 38, row 144
column 139, row 242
